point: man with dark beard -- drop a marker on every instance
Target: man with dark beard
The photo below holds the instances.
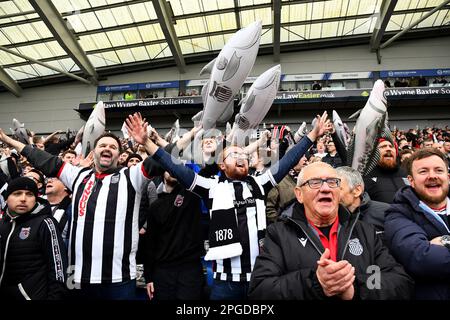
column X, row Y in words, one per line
column 417, row 228
column 387, row 177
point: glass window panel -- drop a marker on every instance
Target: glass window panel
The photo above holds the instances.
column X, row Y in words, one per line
column 217, row 42
column 228, row 21
column 213, row 23
column 209, row 5
column 9, row 7
column 14, row 34
column 131, row 35
column 140, row 53
column 97, row 60
column 176, row 8
column 332, row 8
column 75, row 23
column 151, row 32
column 352, row 8
column 122, row 15
column 90, row 21
column 407, row 21
column 166, row 52
column 100, row 41
column 395, row 22
column 401, row 5
column 413, row 4
column 263, row 14
column 70, row 5
column 106, row 18
column 54, row 47
column 443, row 18
column 139, row 12
column 87, row 43
column 369, row 6
column 196, row 25
column 190, row 6
column 266, row 36
column 154, row 50
column 110, row 57
column 150, row 10
column 200, row 44
column 23, row 5
column 7, row 58
column 329, row 29
column 296, row 12
column 125, row 56
column 347, row 28
column 284, row 35
column 315, row 31
column 42, row 29
column 224, row 4
column 30, row 51
column 181, row 28
column 243, row 3
column 186, row 47
column 3, row 40
column 428, row 22
column 43, row 71
column 116, row 37
column 362, row 26
column 16, row 74
column 317, row 10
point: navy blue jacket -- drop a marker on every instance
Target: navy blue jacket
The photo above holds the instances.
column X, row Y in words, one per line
column 408, row 232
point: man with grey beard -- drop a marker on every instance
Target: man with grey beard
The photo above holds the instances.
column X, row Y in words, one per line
column 417, row 229
column 387, row 177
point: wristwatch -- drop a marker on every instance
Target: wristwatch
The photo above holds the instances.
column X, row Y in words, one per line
column 445, row 240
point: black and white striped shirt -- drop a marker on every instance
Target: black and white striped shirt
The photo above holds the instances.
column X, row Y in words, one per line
column 104, row 227
column 246, row 206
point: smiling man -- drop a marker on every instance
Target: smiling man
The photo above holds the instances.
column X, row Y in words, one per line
column 318, row 250
column 417, row 226
column 105, row 210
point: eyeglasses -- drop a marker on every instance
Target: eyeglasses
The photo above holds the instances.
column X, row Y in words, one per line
column 317, row 183
column 237, row 155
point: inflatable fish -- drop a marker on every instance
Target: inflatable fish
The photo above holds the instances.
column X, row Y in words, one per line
column 371, row 125
column 94, row 128
column 227, row 74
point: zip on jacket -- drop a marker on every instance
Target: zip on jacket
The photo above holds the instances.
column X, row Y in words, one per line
column 6, row 250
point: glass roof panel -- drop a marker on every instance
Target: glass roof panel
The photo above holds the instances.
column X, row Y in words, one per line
column 266, row 36
column 139, row 12
column 140, row 53
column 200, row 44
column 106, row 18
column 250, row 16
column 217, row 42
column 186, row 46
column 116, row 37
column 18, row 74
column 7, row 58
column 125, row 56
column 131, row 35
column 151, row 32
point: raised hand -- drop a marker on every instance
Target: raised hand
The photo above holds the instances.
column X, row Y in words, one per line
column 322, row 125
column 137, row 128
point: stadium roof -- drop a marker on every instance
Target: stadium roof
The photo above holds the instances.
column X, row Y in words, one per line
column 43, row 40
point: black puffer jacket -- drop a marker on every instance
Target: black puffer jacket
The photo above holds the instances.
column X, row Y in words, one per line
column 33, row 260
column 286, row 269
column 382, row 184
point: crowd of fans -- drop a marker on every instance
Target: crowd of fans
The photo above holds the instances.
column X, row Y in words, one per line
column 180, row 215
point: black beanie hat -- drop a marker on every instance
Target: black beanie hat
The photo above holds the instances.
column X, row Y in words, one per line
column 131, row 156
column 22, row 183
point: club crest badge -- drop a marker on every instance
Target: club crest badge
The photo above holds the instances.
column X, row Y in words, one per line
column 24, row 233
column 178, row 201
column 355, row 247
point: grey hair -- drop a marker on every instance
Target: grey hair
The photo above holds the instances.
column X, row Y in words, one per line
column 352, row 176
column 311, row 165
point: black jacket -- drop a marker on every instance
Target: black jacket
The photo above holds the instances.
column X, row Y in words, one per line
column 173, row 234
column 409, row 228
column 382, row 184
column 373, row 212
column 286, row 269
column 33, row 259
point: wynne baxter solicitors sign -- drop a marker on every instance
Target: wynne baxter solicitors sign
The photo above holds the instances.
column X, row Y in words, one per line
column 282, row 97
